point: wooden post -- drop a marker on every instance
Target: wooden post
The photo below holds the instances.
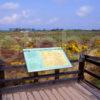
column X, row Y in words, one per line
column 35, row 75
column 81, row 67
column 2, row 76
column 56, row 72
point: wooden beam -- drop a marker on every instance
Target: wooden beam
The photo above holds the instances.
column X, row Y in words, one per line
column 2, row 76
column 92, row 57
column 18, row 88
column 4, row 68
column 95, row 62
column 56, row 74
column 81, row 67
column 35, row 75
column 38, row 76
column 92, row 74
column 89, row 83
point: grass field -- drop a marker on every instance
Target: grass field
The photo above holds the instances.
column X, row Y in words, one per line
column 73, row 42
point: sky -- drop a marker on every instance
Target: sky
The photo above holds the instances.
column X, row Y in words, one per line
column 48, row 14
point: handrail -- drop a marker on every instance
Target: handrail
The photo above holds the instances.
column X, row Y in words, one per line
column 37, row 77
column 92, row 60
column 80, row 72
column 4, row 68
column 92, row 57
column 34, row 77
column 95, row 62
column 92, row 74
column 33, row 86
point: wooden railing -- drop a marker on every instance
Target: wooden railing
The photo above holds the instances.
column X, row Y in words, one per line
column 36, row 77
column 82, row 68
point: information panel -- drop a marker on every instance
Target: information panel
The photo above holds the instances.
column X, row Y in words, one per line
column 41, row 59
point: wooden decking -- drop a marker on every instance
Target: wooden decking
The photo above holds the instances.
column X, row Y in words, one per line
column 63, row 91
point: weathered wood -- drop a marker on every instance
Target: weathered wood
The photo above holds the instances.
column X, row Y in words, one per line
column 81, row 67
column 35, row 85
column 36, row 95
column 9, row 97
column 8, row 68
column 50, row 95
column 95, row 62
column 2, row 76
column 63, row 94
column 30, row 96
column 56, row 74
column 65, row 91
column 39, row 76
column 90, row 83
column 71, row 96
column 81, row 88
column 57, row 94
column 14, row 67
column 92, row 74
column 17, row 96
column 92, row 57
column 4, row 97
column 82, row 91
column 75, row 93
column 35, row 75
column 95, row 92
column 23, row 96
column 43, row 95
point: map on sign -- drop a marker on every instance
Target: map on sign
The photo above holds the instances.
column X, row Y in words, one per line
column 41, row 59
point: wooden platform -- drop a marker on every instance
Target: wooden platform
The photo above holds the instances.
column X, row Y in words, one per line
column 63, row 91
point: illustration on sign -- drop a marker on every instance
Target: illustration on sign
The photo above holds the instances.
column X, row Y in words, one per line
column 41, row 59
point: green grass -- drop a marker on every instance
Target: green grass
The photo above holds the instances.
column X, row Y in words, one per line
column 6, row 38
column 96, row 82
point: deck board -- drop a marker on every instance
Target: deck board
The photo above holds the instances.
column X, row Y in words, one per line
column 65, row 96
column 43, row 95
column 82, row 91
column 30, row 96
column 9, row 97
column 4, row 97
column 16, row 96
column 23, row 96
column 75, row 93
column 63, row 91
column 37, row 95
column 69, row 93
column 50, row 94
column 57, row 94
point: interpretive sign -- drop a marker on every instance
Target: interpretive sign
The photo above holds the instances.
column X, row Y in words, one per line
column 41, row 59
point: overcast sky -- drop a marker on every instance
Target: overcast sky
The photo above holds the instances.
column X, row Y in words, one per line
column 67, row 14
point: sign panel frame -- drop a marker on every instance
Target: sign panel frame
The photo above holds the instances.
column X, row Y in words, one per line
column 43, row 59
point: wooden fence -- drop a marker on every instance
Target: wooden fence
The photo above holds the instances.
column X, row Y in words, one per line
column 80, row 75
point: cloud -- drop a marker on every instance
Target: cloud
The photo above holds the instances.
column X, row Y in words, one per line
column 16, row 17
column 53, row 20
column 84, row 11
column 9, row 5
column 9, row 19
column 38, row 21
column 25, row 13
column 35, row 21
